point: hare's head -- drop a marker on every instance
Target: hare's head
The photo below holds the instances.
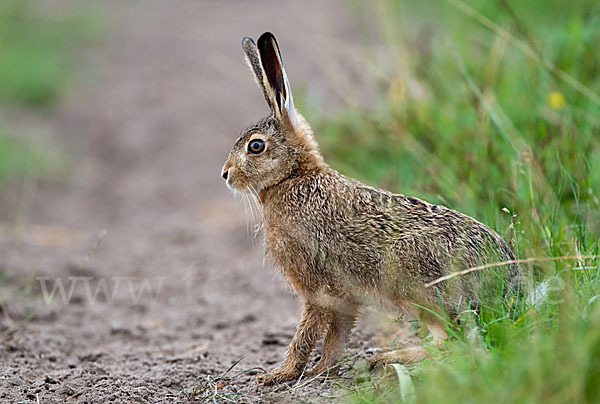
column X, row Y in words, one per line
column 279, row 145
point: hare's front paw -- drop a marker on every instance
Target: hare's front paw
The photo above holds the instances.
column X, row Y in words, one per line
column 277, row 375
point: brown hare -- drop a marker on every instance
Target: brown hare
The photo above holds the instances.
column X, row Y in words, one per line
column 341, row 244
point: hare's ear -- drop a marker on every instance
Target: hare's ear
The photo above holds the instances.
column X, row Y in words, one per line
column 253, row 62
column 276, row 85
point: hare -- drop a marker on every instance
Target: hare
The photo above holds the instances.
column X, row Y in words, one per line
column 341, row 244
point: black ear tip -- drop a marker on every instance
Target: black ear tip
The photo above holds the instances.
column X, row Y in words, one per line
column 267, row 36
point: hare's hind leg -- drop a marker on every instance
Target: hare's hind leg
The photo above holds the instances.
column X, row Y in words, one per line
column 309, row 330
column 334, row 344
column 406, row 355
column 413, row 354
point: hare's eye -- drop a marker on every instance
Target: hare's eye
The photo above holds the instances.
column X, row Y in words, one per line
column 256, row 146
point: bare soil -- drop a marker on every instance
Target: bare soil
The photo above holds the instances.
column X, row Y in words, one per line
column 145, row 130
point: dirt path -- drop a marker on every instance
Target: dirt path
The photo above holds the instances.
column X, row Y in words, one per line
column 149, row 125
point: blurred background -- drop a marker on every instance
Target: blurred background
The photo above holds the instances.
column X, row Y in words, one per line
column 116, row 118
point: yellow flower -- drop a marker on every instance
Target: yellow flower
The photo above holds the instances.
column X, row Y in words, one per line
column 556, row 100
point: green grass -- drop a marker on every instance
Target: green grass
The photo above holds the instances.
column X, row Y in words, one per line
column 35, row 67
column 18, row 158
column 35, row 62
column 490, row 109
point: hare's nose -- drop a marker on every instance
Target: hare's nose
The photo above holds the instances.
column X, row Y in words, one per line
column 225, row 174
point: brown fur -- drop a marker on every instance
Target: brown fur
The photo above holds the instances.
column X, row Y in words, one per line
column 342, row 244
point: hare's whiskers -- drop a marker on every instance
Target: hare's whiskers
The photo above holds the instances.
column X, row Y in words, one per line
column 246, row 209
column 259, row 219
column 251, row 207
